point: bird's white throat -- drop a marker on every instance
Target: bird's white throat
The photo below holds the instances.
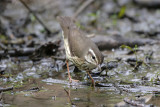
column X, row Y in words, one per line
column 66, row 46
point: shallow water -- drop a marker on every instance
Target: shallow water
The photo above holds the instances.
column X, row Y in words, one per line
column 53, row 94
column 44, row 84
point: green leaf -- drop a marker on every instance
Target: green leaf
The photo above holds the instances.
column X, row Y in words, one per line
column 32, row 17
column 135, row 47
column 95, row 15
column 92, row 14
column 122, row 12
column 3, row 37
column 128, row 47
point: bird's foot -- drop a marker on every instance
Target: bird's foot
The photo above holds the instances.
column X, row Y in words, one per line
column 72, row 80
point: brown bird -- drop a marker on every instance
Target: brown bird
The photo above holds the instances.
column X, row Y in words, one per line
column 79, row 49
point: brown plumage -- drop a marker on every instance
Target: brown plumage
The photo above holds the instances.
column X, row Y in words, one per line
column 79, row 44
column 82, row 51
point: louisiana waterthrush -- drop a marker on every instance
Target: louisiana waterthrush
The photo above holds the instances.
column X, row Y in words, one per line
column 79, row 49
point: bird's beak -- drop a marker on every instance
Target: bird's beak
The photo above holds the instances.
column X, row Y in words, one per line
column 99, row 67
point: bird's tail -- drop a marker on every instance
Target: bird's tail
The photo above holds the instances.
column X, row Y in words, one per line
column 66, row 23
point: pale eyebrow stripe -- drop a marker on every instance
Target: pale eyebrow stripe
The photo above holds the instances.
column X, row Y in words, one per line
column 90, row 50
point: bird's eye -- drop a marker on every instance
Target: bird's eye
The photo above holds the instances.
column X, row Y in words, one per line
column 93, row 57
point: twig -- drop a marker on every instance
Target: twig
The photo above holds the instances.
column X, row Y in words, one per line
column 82, row 7
column 28, row 8
column 133, row 103
column 33, row 89
column 153, row 63
column 148, row 4
column 6, row 89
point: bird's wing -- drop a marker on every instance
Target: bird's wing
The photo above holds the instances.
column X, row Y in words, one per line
column 78, row 43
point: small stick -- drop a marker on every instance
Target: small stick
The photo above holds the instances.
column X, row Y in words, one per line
column 133, row 103
column 6, row 89
column 28, row 8
column 82, row 7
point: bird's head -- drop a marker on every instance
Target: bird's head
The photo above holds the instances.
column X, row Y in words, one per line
column 95, row 59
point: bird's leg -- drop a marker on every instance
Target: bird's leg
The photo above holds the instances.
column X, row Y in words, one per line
column 69, row 76
column 93, row 83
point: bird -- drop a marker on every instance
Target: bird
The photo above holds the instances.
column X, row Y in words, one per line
column 79, row 48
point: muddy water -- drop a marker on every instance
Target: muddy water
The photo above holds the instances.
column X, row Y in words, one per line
column 52, row 94
column 44, row 84
column 50, row 77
